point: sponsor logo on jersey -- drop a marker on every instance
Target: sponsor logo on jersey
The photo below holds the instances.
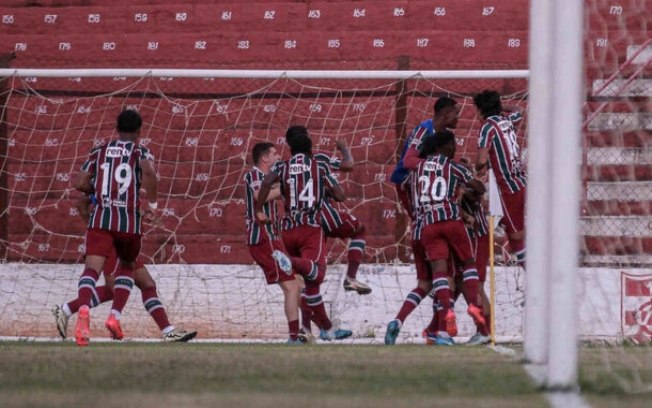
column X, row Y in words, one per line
column 116, row 152
column 119, row 203
column 432, row 166
column 299, row 168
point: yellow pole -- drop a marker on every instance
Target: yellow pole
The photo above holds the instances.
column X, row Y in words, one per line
column 492, row 282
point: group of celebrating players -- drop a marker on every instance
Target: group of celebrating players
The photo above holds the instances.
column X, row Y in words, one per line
column 442, row 195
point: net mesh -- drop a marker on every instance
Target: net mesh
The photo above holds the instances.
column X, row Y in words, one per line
column 201, row 132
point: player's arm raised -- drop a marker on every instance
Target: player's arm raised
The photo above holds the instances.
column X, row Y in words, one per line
column 413, row 155
column 150, row 184
column 346, row 165
column 334, row 188
column 484, row 143
column 263, row 195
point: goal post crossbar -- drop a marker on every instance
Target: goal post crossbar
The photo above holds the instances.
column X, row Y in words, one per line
column 252, row 74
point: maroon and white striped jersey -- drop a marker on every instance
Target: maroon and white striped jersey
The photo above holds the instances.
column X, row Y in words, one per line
column 256, row 232
column 303, row 187
column 116, row 176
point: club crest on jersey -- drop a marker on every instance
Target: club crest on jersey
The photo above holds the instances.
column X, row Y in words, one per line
column 116, row 152
column 106, row 202
column 636, row 307
column 299, row 168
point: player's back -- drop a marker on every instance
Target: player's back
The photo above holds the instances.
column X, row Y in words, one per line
column 115, row 167
column 434, row 188
column 303, row 189
column 499, row 135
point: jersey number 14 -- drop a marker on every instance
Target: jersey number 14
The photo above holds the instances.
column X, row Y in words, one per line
column 305, row 196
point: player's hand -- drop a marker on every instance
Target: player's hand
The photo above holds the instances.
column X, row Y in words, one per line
column 262, row 217
column 152, row 216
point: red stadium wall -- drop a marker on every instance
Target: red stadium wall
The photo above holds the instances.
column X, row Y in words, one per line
column 404, row 34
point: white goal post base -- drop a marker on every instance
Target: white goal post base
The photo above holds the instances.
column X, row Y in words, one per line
column 233, row 302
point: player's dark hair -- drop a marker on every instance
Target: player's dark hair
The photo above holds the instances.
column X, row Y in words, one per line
column 301, row 144
column 294, row 131
column 129, row 121
column 259, row 150
column 442, row 103
column 433, row 142
column 488, row 102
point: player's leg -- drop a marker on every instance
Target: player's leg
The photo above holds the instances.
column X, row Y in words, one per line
column 414, row 298
column 306, row 269
column 482, row 258
column 352, row 228
column 153, row 305
column 291, row 294
column 514, row 221
column 437, row 252
column 98, row 247
column 278, row 272
column 438, row 323
column 313, row 247
column 127, row 247
column 101, row 294
column 460, row 243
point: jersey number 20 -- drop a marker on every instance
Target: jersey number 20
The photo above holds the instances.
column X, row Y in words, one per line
column 434, row 192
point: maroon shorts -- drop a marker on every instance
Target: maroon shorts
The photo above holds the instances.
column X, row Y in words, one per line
column 437, row 238
column 482, row 256
column 305, row 242
column 514, row 211
column 112, row 262
column 350, row 227
column 309, row 243
column 403, row 193
column 262, row 254
column 424, row 272
column 102, row 242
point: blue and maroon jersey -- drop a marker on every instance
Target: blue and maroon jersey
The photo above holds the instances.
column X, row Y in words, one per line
column 330, row 211
column 434, row 186
column 116, row 176
column 303, row 187
column 400, row 173
column 256, row 232
column 480, row 226
column 499, row 136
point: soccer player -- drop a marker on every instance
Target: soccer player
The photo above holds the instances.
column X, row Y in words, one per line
column 303, row 183
column 264, row 239
column 498, row 149
column 434, row 184
column 143, row 281
column 336, row 220
column 476, row 224
column 114, row 174
column 446, row 115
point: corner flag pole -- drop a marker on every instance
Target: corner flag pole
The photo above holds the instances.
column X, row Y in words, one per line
column 495, row 210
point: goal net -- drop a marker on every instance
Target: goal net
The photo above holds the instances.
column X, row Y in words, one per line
column 201, row 132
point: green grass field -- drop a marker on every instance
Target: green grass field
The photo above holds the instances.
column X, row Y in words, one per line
column 269, row 375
